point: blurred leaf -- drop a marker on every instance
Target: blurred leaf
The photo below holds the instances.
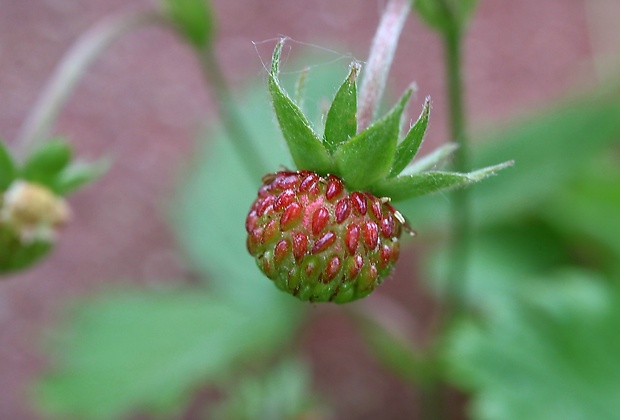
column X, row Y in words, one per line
column 405, row 187
column 193, row 19
column 7, row 167
column 554, row 356
column 146, row 351
column 367, row 157
column 280, row 394
column 79, row 174
column 501, row 262
column 305, row 146
column 588, row 210
column 408, row 148
column 549, row 150
column 46, row 162
column 341, row 122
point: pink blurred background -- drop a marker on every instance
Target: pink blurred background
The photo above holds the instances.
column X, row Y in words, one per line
column 144, row 101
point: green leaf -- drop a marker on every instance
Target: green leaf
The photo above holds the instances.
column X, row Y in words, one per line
column 501, row 262
column 193, row 19
column 305, row 146
column 7, row 167
column 79, row 174
column 367, row 158
column 410, row 145
column 148, row 350
column 341, row 123
column 285, row 392
column 552, row 356
column 587, row 211
column 44, row 164
column 405, row 187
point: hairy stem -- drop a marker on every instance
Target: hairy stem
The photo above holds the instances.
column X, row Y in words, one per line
column 231, row 120
column 381, row 55
column 72, row 67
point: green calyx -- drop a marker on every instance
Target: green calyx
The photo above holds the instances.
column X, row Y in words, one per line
column 32, row 208
column 373, row 159
column 50, row 165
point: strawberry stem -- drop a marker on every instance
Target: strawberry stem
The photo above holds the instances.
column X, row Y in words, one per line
column 380, row 58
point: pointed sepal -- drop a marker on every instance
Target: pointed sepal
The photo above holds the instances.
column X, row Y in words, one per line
column 405, row 187
column 306, row 148
column 8, row 170
column 79, row 174
column 341, row 122
column 47, row 161
column 367, row 158
column 408, row 148
column 431, row 161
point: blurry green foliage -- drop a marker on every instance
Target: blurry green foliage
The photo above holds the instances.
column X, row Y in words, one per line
column 283, row 393
column 141, row 350
column 551, row 355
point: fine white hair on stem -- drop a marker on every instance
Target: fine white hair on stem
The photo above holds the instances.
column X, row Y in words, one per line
column 380, row 58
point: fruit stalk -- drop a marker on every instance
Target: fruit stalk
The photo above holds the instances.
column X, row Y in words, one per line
column 381, row 54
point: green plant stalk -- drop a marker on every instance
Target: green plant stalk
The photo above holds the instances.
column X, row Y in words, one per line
column 72, row 67
column 461, row 212
column 231, row 119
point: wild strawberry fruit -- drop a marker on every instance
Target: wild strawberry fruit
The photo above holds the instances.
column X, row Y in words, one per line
column 328, row 231
column 318, row 241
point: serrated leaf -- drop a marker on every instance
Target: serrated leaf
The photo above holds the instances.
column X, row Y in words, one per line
column 7, row 167
column 148, row 350
column 306, row 148
column 46, row 162
column 193, row 19
column 553, row 355
column 405, row 187
column 367, row 158
column 341, row 122
column 408, row 148
column 79, row 174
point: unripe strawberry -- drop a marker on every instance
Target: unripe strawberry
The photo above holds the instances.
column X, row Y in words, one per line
column 318, row 241
column 322, row 233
